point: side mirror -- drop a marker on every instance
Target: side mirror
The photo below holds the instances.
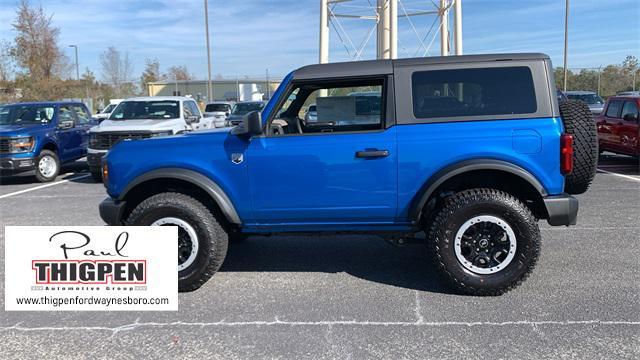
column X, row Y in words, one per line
column 251, row 125
column 66, row 124
column 630, row 117
column 192, row 119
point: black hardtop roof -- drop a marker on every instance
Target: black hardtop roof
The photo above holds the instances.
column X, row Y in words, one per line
column 381, row 67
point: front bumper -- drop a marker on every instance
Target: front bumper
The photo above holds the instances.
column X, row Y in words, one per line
column 94, row 159
column 11, row 165
column 112, row 211
column 562, row 209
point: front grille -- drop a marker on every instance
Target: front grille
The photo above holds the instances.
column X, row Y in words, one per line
column 4, row 145
column 104, row 141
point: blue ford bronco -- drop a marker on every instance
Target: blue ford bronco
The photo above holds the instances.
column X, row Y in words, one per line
column 42, row 136
column 471, row 150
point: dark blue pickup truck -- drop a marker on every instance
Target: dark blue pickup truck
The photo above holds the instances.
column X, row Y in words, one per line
column 42, row 136
column 471, row 150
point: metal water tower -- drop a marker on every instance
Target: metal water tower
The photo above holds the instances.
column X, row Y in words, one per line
column 385, row 14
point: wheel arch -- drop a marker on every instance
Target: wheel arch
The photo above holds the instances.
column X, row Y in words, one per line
column 185, row 179
column 49, row 145
column 467, row 170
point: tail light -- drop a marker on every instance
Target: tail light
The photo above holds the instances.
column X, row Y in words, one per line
column 566, row 154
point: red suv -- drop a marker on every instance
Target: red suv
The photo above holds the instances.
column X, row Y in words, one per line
column 618, row 129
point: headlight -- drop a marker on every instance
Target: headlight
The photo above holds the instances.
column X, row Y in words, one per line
column 161, row 133
column 21, row 144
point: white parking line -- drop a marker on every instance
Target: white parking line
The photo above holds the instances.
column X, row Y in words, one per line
column 137, row 325
column 620, row 175
column 44, row 186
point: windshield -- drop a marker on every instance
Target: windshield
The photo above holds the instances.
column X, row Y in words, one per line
column 109, row 108
column 217, row 107
column 587, row 98
column 131, row 110
column 25, row 114
column 244, row 108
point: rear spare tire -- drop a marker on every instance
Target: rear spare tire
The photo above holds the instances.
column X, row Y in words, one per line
column 578, row 121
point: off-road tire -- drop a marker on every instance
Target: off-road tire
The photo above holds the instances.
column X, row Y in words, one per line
column 96, row 174
column 578, row 121
column 39, row 175
column 463, row 206
column 212, row 238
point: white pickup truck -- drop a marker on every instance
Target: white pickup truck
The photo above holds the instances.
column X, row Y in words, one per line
column 106, row 112
column 141, row 118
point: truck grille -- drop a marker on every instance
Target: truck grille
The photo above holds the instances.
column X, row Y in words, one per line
column 4, row 145
column 104, row 141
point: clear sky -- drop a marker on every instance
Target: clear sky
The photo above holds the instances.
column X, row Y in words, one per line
column 249, row 36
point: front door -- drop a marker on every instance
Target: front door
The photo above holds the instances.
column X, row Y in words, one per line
column 69, row 140
column 341, row 167
column 84, row 123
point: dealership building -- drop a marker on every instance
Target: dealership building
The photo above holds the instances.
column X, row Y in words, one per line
column 225, row 89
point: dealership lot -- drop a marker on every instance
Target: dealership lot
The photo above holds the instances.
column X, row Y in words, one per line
column 356, row 296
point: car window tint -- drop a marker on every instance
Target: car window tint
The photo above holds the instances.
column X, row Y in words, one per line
column 629, row 108
column 473, row 92
column 82, row 114
column 65, row 113
column 614, row 108
column 328, row 108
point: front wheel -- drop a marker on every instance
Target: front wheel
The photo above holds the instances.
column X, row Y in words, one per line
column 202, row 242
column 47, row 166
column 96, row 174
column 485, row 241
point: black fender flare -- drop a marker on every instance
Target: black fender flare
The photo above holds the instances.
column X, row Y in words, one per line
column 209, row 186
column 420, row 200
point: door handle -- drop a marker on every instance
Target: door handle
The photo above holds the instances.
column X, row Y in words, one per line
column 372, row 153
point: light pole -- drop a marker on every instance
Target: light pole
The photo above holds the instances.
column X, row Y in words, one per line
column 566, row 41
column 75, row 47
column 599, row 75
column 268, row 87
column 206, row 24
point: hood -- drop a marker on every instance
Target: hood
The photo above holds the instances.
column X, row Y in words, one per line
column 209, row 131
column 21, row 130
column 139, row 125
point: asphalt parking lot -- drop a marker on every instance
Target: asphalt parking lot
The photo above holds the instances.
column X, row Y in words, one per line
column 356, row 296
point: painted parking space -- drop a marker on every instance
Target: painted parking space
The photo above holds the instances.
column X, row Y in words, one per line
column 313, row 295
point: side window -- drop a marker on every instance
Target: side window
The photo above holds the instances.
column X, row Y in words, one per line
column 327, row 108
column 473, row 92
column 65, row 113
column 194, row 107
column 82, row 114
column 614, row 109
column 190, row 109
column 630, row 109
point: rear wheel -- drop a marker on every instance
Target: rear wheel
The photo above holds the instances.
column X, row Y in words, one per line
column 485, row 241
column 47, row 166
column 578, row 121
column 202, row 242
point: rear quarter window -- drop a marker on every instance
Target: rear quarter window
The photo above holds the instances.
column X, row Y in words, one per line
column 473, row 92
